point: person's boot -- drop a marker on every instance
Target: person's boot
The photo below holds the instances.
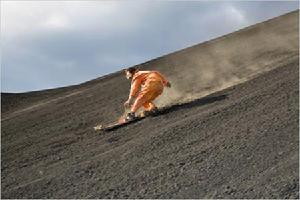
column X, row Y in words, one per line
column 153, row 111
column 145, row 113
column 130, row 116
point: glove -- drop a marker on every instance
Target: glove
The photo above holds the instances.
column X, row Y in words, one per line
column 127, row 103
column 168, row 84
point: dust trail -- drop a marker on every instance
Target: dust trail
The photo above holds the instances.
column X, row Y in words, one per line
column 209, row 67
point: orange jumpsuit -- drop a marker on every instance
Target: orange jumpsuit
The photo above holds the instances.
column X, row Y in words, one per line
column 151, row 83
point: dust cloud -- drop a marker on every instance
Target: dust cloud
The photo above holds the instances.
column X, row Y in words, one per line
column 218, row 64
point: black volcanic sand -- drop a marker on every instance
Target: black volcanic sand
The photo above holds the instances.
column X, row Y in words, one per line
column 240, row 142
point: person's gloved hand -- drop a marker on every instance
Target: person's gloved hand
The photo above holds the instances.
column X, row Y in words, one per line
column 127, row 103
column 168, row 84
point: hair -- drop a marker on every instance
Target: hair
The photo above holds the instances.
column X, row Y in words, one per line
column 131, row 69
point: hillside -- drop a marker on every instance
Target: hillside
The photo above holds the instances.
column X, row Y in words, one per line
column 229, row 130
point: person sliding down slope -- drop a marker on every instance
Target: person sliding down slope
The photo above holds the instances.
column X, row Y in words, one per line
column 146, row 86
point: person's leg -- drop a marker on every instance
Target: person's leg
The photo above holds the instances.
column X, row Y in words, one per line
column 149, row 106
column 147, row 96
column 140, row 101
column 150, row 109
column 146, row 106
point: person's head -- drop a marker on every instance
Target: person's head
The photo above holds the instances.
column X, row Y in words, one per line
column 130, row 72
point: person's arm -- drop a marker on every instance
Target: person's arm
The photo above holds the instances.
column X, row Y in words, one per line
column 135, row 86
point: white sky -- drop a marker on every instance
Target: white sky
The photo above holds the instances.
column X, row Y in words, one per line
column 48, row 44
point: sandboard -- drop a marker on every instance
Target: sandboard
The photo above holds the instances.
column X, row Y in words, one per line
column 116, row 125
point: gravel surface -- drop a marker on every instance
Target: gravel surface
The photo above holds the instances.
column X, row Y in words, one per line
column 239, row 141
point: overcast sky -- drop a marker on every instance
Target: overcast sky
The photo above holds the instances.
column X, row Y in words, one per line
column 49, row 44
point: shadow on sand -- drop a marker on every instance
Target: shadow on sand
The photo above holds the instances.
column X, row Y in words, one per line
column 172, row 108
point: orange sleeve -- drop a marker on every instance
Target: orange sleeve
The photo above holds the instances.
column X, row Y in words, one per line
column 135, row 86
column 164, row 80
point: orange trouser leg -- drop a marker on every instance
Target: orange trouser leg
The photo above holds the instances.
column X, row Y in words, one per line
column 149, row 106
column 147, row 95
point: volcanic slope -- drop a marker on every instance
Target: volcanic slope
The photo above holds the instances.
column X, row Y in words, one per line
column 229, row 128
